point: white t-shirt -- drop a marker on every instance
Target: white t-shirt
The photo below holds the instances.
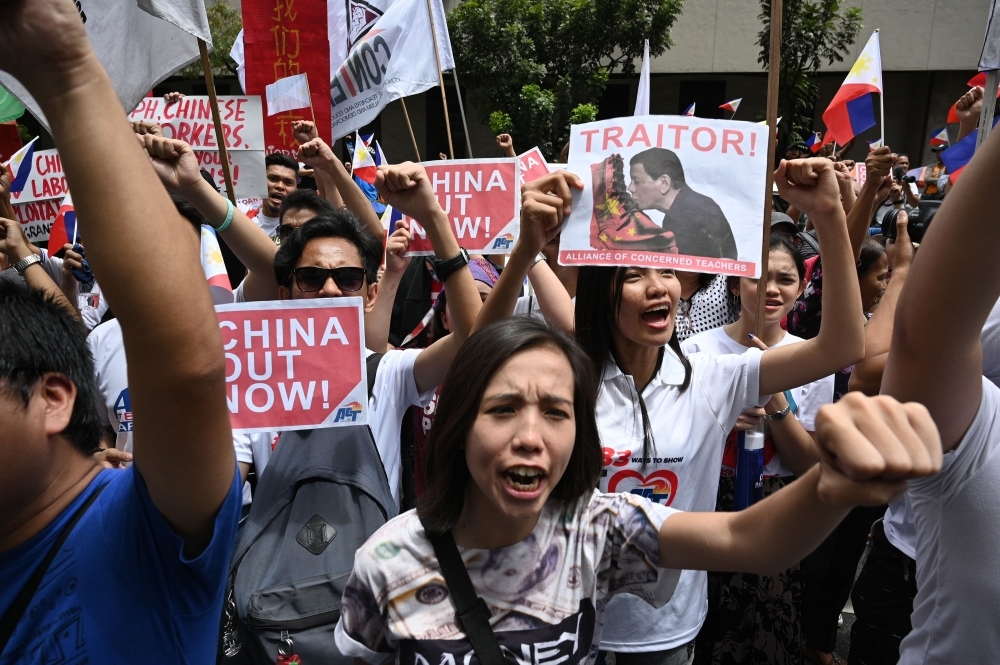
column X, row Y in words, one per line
column 546, row 594
column 689, row 430
column 956, row 513
column 808, row 398
column 898, row 522
column 528, row 306
column 268, row 224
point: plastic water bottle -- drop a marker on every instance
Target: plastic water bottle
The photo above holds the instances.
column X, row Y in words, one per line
column 749, row 485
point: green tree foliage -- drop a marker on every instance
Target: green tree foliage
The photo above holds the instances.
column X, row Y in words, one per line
column 811, row 32
column 225, row 23
column 542, row 62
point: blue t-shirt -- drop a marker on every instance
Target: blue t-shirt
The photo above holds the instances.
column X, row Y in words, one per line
column 120, row 590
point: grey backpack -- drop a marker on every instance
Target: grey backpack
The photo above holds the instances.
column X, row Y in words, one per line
column 323, row 493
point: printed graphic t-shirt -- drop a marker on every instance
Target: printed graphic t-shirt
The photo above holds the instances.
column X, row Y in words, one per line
column 122, row 560
column 546, row 594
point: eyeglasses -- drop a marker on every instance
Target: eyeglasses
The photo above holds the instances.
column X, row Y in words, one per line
column 348, row 279
column 284, row 230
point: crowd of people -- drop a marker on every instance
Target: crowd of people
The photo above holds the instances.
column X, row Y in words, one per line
column 550, row 473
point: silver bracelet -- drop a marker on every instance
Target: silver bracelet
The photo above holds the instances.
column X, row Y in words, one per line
column 23, row 264
column 538, row 259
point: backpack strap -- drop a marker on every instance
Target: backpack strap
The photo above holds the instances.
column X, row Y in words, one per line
column 16, row 610
column 371, row 364
column 471, row 612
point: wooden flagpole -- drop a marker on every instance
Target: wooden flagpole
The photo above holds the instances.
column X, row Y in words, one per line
column 773, row 71
column 461, row 109
column 413, row 138
column 219, row 135
column 444, row 99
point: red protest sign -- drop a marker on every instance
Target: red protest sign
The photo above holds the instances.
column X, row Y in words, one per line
column 294, row 364
column 860, row 172
column 532, row 165
column 481, row 199
column 284, row 38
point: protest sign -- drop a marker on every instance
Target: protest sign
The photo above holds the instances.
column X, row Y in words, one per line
column 667, row 192
column 860, row 173
column 284, row 38
column 295, row 364
column 482, row 200
column 36, row 218
column 532, row 165
column 37, row 204
column 190, row 120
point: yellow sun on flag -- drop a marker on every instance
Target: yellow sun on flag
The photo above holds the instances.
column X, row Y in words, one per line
column 862, row 65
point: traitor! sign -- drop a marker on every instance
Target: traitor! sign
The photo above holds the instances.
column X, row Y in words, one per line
column 672, row 192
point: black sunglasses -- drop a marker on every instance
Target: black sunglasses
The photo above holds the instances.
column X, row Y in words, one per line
column 348, row 280
column 284, row 230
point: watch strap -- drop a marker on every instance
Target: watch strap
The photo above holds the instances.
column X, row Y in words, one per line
column 23, row 264
column 447, row 267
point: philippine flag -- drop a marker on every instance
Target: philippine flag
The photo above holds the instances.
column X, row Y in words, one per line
column 363, row 165
column 851, row 111
column 19, row 166
column 874, row 145
column 814, row 142
column 215, row 267
column 379, row 155
column 731, row 106
column 63, row 229
column 689, row 111
column 940, row 137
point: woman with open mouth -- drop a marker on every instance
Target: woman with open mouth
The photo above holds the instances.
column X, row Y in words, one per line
column 663, row 416
column 512, row 511
column 733, row 630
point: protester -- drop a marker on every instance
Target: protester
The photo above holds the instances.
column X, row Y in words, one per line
column 734, row 629
column 655, row 403
column 506, row 143
column 515, row 454
column 330, row 256
column 57, row 500
column 282, row 180
column 938, row 360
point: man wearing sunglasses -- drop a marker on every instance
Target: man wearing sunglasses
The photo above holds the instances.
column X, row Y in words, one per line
column 332, row 257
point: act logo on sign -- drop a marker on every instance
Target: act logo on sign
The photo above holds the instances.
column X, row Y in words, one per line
column 659, row 486
column 348, row 412
column 123, row 411
column 504, row 242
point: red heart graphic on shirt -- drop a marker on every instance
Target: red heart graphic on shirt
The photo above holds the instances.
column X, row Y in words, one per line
column 660, row 486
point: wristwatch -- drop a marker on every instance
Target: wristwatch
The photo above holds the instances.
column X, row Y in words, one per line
column 23, row 264
column 779, row 415
column 538, row 259
column 445, row 268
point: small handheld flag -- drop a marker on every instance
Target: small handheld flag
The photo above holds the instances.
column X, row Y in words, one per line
column 957, row 156
column 64, row 227
column 940, row 137
column 689, row 111
column 215, row 267
column 363, row 166
column 851, row 111
column 732, row 106
column 815, row 142
column 764, row 122
column 19, row 166
column 288, row 94
column 874, row 145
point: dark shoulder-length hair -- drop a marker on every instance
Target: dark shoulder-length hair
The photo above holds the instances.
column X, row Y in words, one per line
column 477, row 361
column 598, row 302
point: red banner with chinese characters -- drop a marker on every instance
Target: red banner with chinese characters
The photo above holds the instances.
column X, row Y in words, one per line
column 284, row 38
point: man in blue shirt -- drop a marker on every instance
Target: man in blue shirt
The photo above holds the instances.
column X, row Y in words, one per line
column 140, row 576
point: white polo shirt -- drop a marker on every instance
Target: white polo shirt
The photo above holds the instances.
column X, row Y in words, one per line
column 689, row 430
column 956, row 513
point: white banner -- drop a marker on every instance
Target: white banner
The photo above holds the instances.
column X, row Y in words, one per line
column 137, row 49
column 668, row 191
column 190, row 120
column 381, row 51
